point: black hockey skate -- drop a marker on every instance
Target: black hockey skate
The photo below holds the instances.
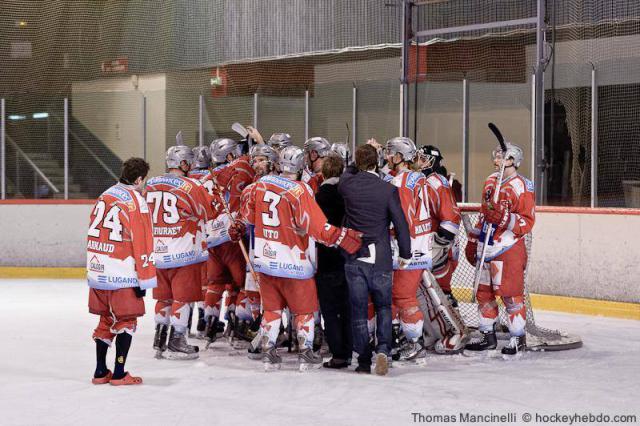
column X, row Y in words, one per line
column 398, row 340
column 516, row 344
column 201, row 326
column 270, row 358
column 211, row 330
column 307, row 358
column 487, row 342
column 412, row 351
column 178, row 348
column 160, row 340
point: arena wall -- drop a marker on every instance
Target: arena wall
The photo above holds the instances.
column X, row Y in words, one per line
column 576, row 252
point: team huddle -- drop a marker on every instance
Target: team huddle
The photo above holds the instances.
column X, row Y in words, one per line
column 277, row 241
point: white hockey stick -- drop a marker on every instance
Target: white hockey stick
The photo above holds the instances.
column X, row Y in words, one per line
column 240, row 129
column 489, row 227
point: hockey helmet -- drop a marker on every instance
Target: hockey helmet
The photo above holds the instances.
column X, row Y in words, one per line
column 201, row 157
column 177, row 154
column 319, row 145
column 514, row 152
column 279, row 141
column 403, row 146
column 291, row 160
column 342, row 150
column 220, row 148
column 264, row 151
column 432, row 156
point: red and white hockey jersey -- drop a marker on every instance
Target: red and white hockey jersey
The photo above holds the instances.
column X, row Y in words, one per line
column 227, row 182
column 413, row 192
column 120, row 241
column 286, row 217
column 177, row 205
column 444, row 209
column 519, row 194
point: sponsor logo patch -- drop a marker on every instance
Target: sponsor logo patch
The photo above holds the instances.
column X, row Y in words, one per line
column 267, row 251
column 95, row 265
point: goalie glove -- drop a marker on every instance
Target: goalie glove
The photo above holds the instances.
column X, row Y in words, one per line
column 497, row 213
column 349, row 240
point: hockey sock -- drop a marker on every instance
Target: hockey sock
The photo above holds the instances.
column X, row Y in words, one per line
column 101, row 358
column 212, row 300
column 271, row 325
column 487, row 308
column 123, row 343
column 163, row 312
column 243, row 312
column 179, row 316
column 253, row 299
column 305, row 325
column 517, row 314
column 412, row 321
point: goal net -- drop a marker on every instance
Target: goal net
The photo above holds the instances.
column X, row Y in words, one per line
column 538, row 337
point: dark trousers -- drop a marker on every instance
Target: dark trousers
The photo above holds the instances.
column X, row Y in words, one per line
column 333, row 295
column 363, row 280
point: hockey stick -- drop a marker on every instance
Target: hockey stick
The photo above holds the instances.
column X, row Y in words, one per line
column 489, row 229
column 240, row 129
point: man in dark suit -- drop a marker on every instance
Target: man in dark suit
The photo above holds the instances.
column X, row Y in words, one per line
column 371, row 204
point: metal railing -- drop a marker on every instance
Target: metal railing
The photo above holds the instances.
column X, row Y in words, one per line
column 31, row 164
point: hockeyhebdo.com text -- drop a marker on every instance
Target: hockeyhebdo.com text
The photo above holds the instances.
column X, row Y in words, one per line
column 524, row 418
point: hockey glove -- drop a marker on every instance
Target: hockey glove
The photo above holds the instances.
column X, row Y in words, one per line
column 140, row 293
column 497, row 213
column 471, row 250
column 236, row 231
column 349, row 240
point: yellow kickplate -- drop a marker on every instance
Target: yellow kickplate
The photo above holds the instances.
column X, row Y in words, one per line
column 20, row 272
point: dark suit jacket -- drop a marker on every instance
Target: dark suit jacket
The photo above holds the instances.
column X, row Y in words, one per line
column 371, row 204
column 330, row 259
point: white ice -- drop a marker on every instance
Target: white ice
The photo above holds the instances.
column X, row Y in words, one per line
column 47, row 361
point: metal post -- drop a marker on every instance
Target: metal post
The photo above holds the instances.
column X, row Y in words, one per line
column 539, row 159
column 3, row 153
column 306, row 115
column 144, row 127
column 255, row 110
column 354, row 110
column 594, row 138
column 200, row 120
column 407, row 35
column 533, row 129
column 465, row 140
column 66, row 148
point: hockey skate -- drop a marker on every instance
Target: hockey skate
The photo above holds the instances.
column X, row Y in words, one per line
column 160, row 340
column 308, row 359
column 201, row 326
column 398, row 340
column 516, row 345
column 178, row 348
column 270, row 358
column 487, row 341
column 211, row 330
column 412, row 351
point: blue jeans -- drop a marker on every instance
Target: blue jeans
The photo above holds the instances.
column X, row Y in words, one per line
column 363, row 280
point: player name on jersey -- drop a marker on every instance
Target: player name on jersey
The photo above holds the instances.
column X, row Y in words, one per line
column 100, row 246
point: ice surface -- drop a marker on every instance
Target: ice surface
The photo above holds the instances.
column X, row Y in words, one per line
column 47, row 360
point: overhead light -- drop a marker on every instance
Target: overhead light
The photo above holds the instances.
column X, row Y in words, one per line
column 21, row 23
column 40, row 115
column 16, row 117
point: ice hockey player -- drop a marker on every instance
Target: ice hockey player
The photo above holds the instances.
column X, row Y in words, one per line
column 286, row 216
column 119, row 268
column 412, row 189
column 226, row 265
column 502, row 274
column 177, row 204
column 315, row 151
column 445, row 218
column 342, row 151
column 200, row 170
column 279, row 141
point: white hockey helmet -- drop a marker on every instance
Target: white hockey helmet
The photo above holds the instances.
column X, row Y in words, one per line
column 342, row 150
column 202, row 157
column 403, row 146
column 319, row 145
column 279, row 141
column 514, row 152
column 264, row 151
column 291, row 160
column 220, row 148
column 177, row 154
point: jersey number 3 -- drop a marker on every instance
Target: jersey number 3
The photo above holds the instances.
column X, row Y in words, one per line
column 271, row 218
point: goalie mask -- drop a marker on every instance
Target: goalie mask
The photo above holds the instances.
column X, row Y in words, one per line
column 177, row 154
column 279, row 141
column 403, row 146
column 514, row 152
column 201, row 157
column 432, row 158
column 221, row 148
column 291, row 160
